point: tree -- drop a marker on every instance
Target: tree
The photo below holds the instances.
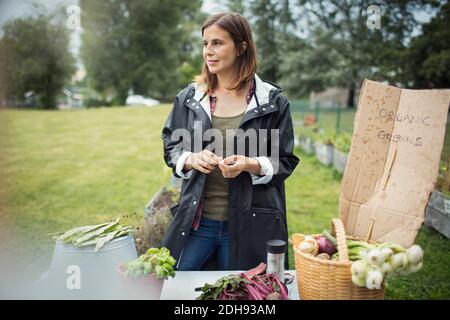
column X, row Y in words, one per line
column 104, row 49
column 35, row 57
column 273, row 26
column 265, row 15
column 429, row 54
column 138, row 44
column 236, row 6
column 308, row 66
column 349, row 50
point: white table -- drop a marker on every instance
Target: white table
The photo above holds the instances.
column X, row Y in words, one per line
column 182, row 286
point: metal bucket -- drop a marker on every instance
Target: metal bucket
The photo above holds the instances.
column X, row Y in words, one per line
column 82, row 273
column 436, row 216
column 324, row 153
column 340, row 160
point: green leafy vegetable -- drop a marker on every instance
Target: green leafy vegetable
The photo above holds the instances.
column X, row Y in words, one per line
column 97, row 235
column 250, row 285
column 156, row 261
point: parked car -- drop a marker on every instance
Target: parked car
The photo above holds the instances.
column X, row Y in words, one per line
column 137, row 100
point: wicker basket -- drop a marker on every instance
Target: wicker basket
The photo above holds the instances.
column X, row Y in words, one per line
column 320, row 279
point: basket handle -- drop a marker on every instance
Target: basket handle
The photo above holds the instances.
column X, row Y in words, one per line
column 339, row 230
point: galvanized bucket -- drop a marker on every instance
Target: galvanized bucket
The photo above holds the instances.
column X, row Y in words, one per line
column 82, row 273
column 324, row 153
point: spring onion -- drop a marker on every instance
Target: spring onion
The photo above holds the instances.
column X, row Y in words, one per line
column 359, row 269
column 387, row 270
column 396, row 261
column 414, row 254
column 360, row 282
column 375, row 257
column 374, row 278
column 382, row 262
column 387, row 252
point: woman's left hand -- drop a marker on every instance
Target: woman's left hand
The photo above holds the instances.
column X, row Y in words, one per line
column 232, row 166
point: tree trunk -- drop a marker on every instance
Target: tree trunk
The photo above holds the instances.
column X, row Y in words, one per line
column 351, row 96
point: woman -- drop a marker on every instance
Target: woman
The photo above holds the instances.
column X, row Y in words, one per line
column 232, row 197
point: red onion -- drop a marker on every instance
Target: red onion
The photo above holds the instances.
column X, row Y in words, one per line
column 326, row 246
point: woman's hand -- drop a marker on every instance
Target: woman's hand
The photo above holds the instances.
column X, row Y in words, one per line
column 204, row 161
column 232, row 166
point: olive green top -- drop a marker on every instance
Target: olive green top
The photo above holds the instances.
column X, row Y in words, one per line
column 215, row 200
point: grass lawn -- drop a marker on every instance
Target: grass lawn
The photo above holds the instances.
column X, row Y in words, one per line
column 68, row 168
column 63, row 169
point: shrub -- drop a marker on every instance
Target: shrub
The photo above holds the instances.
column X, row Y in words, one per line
column 150, row 234
column 443, row 181
column 327, row 137
column 311, row 132
column 343, row 142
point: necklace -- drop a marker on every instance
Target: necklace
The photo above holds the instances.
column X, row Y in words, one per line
column 213, row 97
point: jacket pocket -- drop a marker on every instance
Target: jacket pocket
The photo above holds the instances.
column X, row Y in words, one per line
column 261, row 210
column 174, row 210
column 262, row 225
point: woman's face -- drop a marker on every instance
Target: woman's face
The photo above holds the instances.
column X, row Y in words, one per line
column 219, row 50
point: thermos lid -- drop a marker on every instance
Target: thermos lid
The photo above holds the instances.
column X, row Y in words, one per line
column 276, row 246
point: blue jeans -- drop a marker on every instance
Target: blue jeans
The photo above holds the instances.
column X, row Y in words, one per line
column 202, row 243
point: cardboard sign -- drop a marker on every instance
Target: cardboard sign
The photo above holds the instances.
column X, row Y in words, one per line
column 393, row 161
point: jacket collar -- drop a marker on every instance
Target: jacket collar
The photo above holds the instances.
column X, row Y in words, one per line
column 262, row 94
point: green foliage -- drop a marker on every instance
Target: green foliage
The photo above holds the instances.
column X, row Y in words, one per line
column 428, row 58
column 34, row 57
column 151, row 232
column 340, row 50
column 232, row 283
column 139, row 45
column 189, row 69
column 327, row 137
column 311, row 66
column 157, row 261
column 97, row 235
column 265, row 14
column 311, row 132
column 343, row 142
column 244, row 287
column 271, row 21
column 236, row 6
column 443, row 181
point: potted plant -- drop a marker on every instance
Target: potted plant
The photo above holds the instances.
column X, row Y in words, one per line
column 144, row 277
column 444, row 184
column 341, row 150
column 437, row 214
column 308, row 136
column 324, row 147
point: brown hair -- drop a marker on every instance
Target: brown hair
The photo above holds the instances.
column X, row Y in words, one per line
column 246, row 63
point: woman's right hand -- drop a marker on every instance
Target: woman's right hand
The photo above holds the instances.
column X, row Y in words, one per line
column 204, row 161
